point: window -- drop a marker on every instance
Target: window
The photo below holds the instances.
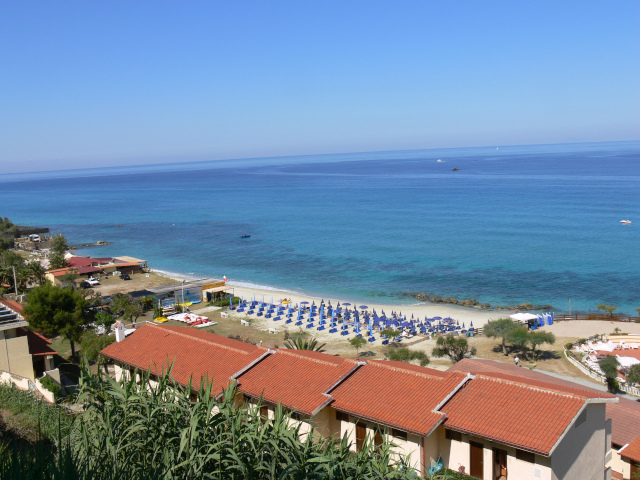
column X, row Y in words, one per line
column 399, row 434
column 343, row 417
column 296, row 416
column 525, row 456
column 581, row 418
column 452, row 435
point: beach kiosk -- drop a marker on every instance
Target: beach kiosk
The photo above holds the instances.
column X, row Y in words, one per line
column 524, row 318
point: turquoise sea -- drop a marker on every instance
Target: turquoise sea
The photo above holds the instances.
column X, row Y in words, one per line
column 529, row 223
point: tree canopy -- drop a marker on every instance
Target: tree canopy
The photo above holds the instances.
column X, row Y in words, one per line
column 539, row 337
column 609, row 366
column 127, row 306
column 358, row 343
column 500, row 328
column 55, row 311
column 607, row 308
column 58, row 247
column 456, row 348
column 403, row 354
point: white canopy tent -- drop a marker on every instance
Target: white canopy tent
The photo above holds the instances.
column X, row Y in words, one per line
column 523, row 317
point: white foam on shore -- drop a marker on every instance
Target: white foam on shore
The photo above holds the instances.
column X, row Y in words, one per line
column 234, row 283
column 256, row 286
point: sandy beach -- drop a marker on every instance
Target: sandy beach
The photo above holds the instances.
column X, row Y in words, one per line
column 478, row 317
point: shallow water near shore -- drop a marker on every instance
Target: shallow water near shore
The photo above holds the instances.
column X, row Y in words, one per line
column 536, row 224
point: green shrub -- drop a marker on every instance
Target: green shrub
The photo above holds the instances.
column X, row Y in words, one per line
column 48, row 383
column 225, row 302
column 568, row 345
column 51, row 419
column 135, row 431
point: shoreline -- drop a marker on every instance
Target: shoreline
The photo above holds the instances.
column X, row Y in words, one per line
column 463, row 314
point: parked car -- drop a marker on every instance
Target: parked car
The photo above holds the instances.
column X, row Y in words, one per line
column 93, row 281
column 125, row 276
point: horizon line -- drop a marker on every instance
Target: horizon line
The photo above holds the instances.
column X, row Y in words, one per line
column 243, row 159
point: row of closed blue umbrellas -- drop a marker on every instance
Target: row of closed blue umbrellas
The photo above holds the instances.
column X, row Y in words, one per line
column 330, row 317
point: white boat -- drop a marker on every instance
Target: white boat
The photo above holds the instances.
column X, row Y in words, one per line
column 626, row 222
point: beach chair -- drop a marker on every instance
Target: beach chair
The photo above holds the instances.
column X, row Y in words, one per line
column 372, row 339
column 321, row 327
column 333, row 330
column 275, row 319
column 385, row 342
column 359, row 335
column 224, row 314
column 298, row 324
column 344, row 332
column 634, row 346
column 244, row 322
column 268, row 315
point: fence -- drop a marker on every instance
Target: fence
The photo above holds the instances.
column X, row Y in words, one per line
column 600, row 378
column 595, row 316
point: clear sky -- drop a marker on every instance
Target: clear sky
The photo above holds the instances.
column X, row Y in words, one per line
column 89, row 83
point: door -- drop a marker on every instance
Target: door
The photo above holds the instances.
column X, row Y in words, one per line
column 378, row 440
column 499, row 464
column 264, row 414
column 477, row 464
column 361, row 432
column 635, row 470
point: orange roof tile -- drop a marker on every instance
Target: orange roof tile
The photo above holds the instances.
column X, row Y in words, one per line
column 396, row 394
column 195, row 354
column 632, row 451
column 625, row 421
column 296, row 378
column 15, row 306
column 499, row 369
column 512, row 413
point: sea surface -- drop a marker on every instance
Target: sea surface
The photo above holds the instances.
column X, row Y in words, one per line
column 537, row 224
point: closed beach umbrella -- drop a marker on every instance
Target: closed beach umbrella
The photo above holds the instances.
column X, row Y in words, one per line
column 333, row 318
column 471, row 325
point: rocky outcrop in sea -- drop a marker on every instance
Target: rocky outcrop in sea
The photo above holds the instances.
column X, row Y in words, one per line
column 473, row 303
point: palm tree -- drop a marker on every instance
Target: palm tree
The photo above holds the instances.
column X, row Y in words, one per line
column 302, row 344
column 36, row 272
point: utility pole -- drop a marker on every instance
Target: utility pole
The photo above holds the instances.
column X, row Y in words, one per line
column 15, row 283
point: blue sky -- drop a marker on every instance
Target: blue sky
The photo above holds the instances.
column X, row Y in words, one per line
column 87, row 84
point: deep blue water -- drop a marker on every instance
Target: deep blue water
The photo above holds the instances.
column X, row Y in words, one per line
column 529, row 223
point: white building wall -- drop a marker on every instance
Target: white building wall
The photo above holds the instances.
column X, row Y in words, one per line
column 581, row 453
column 619, row 465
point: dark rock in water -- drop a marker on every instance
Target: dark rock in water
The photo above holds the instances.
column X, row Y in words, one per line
column 119, row 225
column 454, row 169
column 473, row 303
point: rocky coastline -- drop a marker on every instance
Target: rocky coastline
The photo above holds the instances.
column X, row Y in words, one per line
column 473, row 303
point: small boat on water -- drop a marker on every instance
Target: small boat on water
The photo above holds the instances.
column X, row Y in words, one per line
column 626, row 222
column 244, row 235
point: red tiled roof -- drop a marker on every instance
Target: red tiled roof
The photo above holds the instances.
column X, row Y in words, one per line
column 401, row 396
column 625, row 419
column 632, row 452
column 15, row 306
column 624, row 415
column 194, row 354
column 524, row 375
column 513, row 413
column 295, row 378
column 79, row 262
column 38, row 344
column 78, row 270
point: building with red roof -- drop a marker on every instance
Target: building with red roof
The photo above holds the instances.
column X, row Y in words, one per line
column 493, row 425
column 623, row 416
column 25, row 354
